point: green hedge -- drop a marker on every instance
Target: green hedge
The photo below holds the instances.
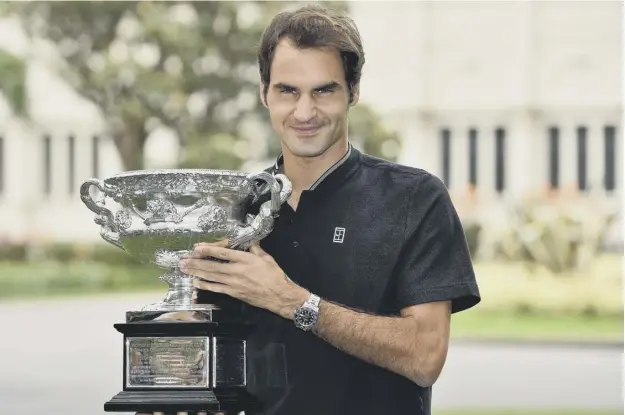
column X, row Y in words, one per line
column 23, row 279
column 63, row 268
column 67, row 252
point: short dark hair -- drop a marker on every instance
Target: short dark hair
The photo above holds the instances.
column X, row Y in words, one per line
column 314, row 26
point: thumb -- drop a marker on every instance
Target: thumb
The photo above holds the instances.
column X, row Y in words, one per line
column 261, row 253
column 258, row 251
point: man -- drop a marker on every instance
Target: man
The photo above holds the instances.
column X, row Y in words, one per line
column 353, row 290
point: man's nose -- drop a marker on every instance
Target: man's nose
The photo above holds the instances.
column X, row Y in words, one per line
column 304, row 109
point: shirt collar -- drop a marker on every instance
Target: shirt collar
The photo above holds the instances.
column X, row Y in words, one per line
column 278, row 166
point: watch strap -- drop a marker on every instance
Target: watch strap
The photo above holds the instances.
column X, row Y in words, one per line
column 313, row 302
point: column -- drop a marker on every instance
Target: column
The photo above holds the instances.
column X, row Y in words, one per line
column 31, row 201
column 15, row 177
column 619, row 160
column 59, row 165
column 522, row 171
column 110, row 160
column 485, row 159
column 416, row 146
column 595, row 153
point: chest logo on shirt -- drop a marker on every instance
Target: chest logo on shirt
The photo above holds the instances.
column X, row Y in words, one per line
column 339, row 235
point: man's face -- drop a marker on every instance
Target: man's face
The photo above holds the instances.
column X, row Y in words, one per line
column 308, row 99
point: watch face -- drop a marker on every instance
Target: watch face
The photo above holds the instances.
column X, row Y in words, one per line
column 305, row 316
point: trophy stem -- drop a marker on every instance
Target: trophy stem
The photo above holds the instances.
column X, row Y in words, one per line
column 180, row 288
column 180, row 295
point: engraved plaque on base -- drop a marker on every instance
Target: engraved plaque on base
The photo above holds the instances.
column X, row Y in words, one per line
column 167, row 362
column 181, row 356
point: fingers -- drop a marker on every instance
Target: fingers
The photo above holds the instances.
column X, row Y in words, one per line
column 178, row 316
column 210, row 277
column 211, row 272
column 212, row 286
column 204, row 266
column 205, row 250
column 224, row 243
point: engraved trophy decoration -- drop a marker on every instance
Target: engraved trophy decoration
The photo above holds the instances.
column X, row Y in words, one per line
column 179, row 355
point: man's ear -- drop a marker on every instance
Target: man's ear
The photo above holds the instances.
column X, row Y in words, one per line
column 355, row 95
column 263, row 98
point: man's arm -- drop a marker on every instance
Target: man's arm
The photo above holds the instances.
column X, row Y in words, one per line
column 413, row 345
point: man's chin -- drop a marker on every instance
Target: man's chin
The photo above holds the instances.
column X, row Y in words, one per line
column 301, row 148
column 308, row 153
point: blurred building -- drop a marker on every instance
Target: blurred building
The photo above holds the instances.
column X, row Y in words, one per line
column 509, row 98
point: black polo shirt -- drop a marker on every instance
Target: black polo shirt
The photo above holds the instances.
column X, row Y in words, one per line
column 374, row 236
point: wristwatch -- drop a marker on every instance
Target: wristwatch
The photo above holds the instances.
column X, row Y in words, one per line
column 306, row 316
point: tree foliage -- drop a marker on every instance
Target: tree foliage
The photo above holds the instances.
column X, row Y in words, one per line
column 13, row 81
column 367, row 129
column 188, row 66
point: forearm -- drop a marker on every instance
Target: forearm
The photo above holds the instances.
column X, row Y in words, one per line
column 402, row 345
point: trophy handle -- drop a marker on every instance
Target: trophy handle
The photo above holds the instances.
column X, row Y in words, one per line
column 262, row 224
column 105, row 218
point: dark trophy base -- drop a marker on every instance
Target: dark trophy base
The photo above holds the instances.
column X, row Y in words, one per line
column 176, row 401
column 183, row 362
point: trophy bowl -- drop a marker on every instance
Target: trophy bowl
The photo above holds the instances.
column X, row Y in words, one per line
column 161, row 214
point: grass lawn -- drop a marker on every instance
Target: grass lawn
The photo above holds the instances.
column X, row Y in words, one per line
column 508, row 287
column 473, row 324
column 538, row 305
column 522, row 412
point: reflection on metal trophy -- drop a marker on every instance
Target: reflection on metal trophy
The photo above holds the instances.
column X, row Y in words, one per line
column 180, row 356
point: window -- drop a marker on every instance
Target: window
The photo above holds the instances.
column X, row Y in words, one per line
column 71, row 161
column 609, row 137
column 446, row 153
column 47, row 164
column 582, row 158
column 473, row 156
column 554, row 158
column 95, row 158
column 500, row 162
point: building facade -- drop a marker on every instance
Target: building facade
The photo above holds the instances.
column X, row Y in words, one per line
column 507, row 96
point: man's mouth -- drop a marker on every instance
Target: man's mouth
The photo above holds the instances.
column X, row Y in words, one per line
column 306, row 130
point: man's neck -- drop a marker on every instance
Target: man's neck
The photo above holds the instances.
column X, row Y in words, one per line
column 305, row 171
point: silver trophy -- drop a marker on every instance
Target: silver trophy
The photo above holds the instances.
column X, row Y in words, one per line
column 180, row 355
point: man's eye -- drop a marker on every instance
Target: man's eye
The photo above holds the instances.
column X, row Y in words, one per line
column 284, row 90
column 324, row 91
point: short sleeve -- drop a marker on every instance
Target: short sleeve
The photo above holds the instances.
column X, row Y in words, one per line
column 434, row 263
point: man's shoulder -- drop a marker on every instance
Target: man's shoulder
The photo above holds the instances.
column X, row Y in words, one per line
column 381, row 166
column 410, row 178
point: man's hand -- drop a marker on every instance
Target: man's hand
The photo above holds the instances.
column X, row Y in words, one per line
column 253, row 277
